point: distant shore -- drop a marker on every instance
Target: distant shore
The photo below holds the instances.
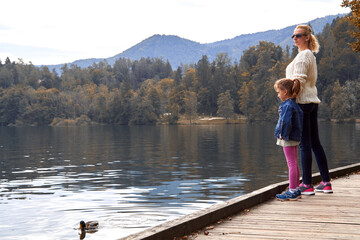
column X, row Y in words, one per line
column 208, row 120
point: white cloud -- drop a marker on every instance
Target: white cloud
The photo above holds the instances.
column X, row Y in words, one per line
column 91, row 28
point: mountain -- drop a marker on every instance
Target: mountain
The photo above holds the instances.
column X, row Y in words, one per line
column 179, row 51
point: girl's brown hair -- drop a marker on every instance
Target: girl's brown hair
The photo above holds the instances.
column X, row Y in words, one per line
column 313, row 42
column 292, row 87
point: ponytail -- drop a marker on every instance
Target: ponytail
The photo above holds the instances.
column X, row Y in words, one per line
column 296, row 87
column 314, row 44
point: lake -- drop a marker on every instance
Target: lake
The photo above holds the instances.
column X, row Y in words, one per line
column 130, row 178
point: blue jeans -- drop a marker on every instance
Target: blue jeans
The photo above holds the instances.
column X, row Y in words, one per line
column 310, row 142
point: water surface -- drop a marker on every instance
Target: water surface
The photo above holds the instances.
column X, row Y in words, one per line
column 133, row 178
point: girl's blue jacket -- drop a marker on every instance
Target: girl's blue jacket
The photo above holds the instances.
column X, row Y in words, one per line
column 290, row 123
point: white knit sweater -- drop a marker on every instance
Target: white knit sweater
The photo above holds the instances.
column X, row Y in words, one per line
column 304, row 68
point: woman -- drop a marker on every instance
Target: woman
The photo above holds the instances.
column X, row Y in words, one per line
column 304, row 68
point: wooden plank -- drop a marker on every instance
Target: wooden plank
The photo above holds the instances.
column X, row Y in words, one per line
column 323, row 216
column 328, row 210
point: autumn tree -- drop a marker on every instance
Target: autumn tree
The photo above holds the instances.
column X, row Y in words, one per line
column 190, row 81
column 354, row 5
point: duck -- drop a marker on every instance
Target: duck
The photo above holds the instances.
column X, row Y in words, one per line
column 89, row 226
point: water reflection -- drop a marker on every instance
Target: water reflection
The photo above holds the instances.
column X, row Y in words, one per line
column 131, row 178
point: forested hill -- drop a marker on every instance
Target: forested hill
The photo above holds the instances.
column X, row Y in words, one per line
column 179, row 51
column 148, row 91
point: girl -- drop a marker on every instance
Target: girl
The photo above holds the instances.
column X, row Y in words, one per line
column 288, row 132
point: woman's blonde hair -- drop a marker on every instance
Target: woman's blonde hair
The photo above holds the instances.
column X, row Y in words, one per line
column 313, row 42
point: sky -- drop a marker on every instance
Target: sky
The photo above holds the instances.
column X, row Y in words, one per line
column 47, row 32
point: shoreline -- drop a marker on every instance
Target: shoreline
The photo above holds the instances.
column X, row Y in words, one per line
column 85, row 121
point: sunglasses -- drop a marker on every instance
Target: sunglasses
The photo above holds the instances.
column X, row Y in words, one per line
column 299, row 35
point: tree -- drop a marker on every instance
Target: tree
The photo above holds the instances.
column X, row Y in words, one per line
column 173, row 112
column 336, row 60
column 266, row 104
column 203, row 71
column 178, row 75
column 190, row 101
column 47, row 78
column 225, row 105
column 11, row 105
column 125, row 101
column 153, row 97
column 99, row 107
column 189, row 80
column 29, row 75
column 221, row 80
column 247, row 99
column 44, row 105
column 6, row 77
column 204, row 100
column 142, row 112
column 121, row 70
column 340, row 108
column 268, row 55
column 354, row 5
column 352, row 93
column 248, row 59
column 164, row 88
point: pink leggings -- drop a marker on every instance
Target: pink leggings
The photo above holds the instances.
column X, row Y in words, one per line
column 292, row 162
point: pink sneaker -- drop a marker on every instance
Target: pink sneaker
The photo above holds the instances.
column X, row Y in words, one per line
column 324, row 187
column 309, row 190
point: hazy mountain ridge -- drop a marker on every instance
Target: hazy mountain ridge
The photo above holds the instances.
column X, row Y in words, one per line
column 168, row 47
column 179, row 51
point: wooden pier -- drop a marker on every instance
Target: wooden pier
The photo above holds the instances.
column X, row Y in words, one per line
column 321, row 216
column 258, row 215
